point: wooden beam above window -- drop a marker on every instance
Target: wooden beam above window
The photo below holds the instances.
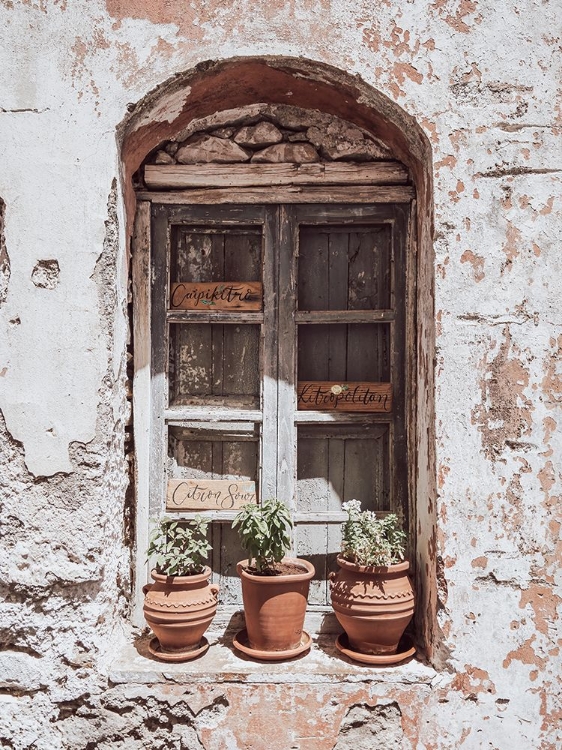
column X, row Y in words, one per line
column 184, row 177
column 285, row 194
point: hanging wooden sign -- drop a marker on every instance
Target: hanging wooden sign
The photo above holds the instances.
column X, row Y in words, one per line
column 323, row 395
column 213, row 494
column 217, row 295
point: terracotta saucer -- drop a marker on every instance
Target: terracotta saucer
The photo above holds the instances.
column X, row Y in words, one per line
column 406, row 649
column 241, row 643
column 176, row 656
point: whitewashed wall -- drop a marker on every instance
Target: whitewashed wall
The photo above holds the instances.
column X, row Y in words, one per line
column 482, row 79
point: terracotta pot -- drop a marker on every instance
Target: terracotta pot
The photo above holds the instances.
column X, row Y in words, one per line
column 179, row 609
column 373, row 605
column 275, row 606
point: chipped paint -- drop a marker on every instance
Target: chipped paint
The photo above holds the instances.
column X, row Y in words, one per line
column 88, row 89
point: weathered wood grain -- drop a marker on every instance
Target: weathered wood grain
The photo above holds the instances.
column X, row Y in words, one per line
column 269, row 334
column 141, row 388
column 352, row 312
column 221, row 295
column 345, row 316
column 286, row 194
column 351, row 396
column 200, row 494
column 286, row 431
column 249, row 175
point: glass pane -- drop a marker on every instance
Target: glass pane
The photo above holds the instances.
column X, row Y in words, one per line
column 344, row 268
column 356, row 352
column 214, row 364
column 223, row 453
column 320, row 544
column 201, row 254
column 336, row 464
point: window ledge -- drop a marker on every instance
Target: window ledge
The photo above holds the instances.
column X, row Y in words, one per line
column 223, row 664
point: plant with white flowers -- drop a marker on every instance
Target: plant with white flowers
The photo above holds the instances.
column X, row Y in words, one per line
column 368, row 540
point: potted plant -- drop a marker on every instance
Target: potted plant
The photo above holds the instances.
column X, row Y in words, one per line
column 274, row 587
column 371, row 594
column 181, row 603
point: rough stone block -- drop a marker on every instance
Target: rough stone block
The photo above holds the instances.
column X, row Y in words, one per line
column 294, row 153
column 367, row 727
column 163, row 158
column 258, row 136
column 340, row 141
column 46, row 273
column 224, row 132
column 19, row 672
column 208, row 149
column 297, row 137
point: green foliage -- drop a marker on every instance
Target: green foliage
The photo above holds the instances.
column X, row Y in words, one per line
column 264, row 532
column 368, row 540
column 180, row 547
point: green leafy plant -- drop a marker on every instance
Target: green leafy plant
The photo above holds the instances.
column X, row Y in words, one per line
column 368, row 540
column 180, row 548
column 264, row 532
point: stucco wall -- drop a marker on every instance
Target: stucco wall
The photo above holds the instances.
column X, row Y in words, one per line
column 481, row 80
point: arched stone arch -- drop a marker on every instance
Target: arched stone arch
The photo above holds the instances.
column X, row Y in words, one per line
column 221, row 85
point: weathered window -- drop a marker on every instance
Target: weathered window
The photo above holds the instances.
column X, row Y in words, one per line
column 305, row 393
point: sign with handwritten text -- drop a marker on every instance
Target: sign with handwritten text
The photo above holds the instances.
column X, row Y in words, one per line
column 213, row 494
column 217, row 295
column 322, row 395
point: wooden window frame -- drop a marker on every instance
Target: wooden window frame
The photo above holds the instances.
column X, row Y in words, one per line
column 148, row 391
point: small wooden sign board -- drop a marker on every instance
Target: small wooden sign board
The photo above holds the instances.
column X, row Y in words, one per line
column 217, row 295
column 213, row 494
column 324, row 395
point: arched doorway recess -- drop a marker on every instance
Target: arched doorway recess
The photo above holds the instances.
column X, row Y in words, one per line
column 181, row 114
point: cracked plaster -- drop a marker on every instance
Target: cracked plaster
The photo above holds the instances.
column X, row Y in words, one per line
column 481, row 79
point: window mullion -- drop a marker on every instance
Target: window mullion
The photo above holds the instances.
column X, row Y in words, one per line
column 159, row 359
column 286, row 432
column 268, row 459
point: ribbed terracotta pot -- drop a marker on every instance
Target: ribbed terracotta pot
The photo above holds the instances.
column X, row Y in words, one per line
column 275, row 606
column 373, row 605
column 179, row 609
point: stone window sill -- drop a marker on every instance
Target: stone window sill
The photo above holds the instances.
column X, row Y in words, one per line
column 223, row 664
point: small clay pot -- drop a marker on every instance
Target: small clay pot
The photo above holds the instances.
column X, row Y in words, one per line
column 179, row 609
column 275, row 606
column 373, row 605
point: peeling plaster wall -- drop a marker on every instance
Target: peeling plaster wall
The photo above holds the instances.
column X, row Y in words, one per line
column 482, row 80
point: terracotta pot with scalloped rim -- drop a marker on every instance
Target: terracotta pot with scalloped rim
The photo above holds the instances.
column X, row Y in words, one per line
column 179, row 609
column 373, row 605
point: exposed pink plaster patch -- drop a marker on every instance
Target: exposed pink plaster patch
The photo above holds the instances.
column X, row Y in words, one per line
column 158, row 12
column 552, row 380
column 477, row 263
column 547, row 477
column 473, row 681
column 405, row 70
column 431, row 129
column 504, row 412
column 512, row 242
column 526, row 654
column 544, row 603
column 447, row 161
column 550, row 426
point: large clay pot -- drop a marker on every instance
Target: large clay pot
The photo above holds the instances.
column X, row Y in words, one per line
column 275, row 606
column 179, row 609
column 373, row 605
